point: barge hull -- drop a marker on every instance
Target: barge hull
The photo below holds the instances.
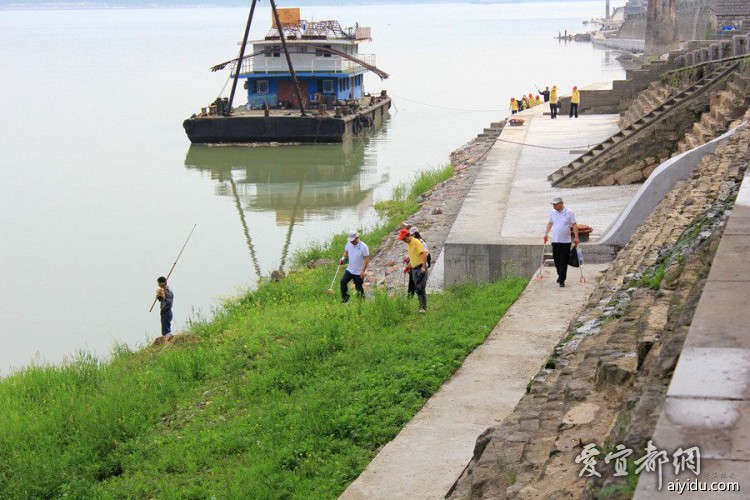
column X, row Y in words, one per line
column 308, row 129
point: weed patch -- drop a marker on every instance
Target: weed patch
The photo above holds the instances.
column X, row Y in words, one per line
column 285, row 393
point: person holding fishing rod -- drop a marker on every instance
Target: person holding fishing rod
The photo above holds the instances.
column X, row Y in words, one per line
column 165, row 295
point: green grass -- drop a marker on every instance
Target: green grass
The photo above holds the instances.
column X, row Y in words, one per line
column 285, row 393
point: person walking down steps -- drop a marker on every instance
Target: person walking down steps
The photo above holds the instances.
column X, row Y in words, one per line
column 166, row 298
column 418, row 264
column 359, row 258
column 575, row 99
column 561, row 220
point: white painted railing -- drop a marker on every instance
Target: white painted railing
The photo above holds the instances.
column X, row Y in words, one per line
column 305, row 63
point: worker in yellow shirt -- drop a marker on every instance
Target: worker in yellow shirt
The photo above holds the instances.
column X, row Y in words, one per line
column 553, row 102
column 575, row 99
column 418, row 264
column 538, row 100
column 532, row 102
column 513, row 106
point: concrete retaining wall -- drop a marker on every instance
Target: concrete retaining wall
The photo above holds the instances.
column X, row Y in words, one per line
column 626, row 44
column 661, row 181
column 482, row 263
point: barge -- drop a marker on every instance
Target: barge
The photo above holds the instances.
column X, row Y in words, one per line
column 304, row 83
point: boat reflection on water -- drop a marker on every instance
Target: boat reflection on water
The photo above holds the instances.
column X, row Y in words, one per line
column 298, row 183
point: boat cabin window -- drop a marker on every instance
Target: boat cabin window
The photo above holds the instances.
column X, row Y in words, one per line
column 274, row 51
column 328, row 86
column 260, row 86
column 319, row 52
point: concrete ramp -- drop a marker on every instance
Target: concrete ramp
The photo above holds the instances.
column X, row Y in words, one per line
column 499, row 230
column 656, row 187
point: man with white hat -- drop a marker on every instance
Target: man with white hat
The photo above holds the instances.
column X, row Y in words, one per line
column 359, row 258
column 561, row 220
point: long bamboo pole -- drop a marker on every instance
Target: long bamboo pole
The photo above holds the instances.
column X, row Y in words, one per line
column 175, row 262
column 288, row 59
column 242, row 54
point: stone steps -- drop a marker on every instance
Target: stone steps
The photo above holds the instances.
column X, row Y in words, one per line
column 723, row 106
column 639, row 125
column 492, row 132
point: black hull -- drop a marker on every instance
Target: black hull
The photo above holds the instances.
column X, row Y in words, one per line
column 309, row 129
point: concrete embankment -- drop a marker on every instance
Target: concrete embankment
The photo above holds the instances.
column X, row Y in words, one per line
column 509, row 196
column 613, row 369
column 498, row 231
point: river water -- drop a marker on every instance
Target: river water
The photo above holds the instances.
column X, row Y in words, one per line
column 99, row 186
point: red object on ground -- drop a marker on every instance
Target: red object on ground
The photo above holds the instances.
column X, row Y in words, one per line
column 583, row 229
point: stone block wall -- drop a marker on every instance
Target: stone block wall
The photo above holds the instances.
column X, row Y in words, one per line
column 731, row 12
column 696, row 19
column 633, row 159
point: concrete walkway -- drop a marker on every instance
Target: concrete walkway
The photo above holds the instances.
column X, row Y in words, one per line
column 503, row 216
column 429, row 454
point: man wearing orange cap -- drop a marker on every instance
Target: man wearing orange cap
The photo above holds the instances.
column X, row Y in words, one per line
column 575, row 98
column 513, row 106
column 418, row 264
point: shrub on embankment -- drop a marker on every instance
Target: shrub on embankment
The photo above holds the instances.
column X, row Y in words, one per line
column 285, row 393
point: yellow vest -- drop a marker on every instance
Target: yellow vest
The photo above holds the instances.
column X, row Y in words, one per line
column 553, row 96
column 415, row 248
column 514, row 106
column 576, row 97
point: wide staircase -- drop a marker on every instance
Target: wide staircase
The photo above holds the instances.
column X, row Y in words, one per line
column 655, row 95
column 613, row 146
column 726, row 106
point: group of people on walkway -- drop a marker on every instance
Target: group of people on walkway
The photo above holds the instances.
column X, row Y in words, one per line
column 550, row 96
column 525, row 102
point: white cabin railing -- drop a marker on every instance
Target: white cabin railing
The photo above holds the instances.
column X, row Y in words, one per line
column 304, row 63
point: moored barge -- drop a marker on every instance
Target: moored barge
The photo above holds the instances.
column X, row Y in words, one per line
column 304, row 83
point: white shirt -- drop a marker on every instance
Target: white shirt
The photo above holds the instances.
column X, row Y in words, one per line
column 561, row 222
column 357, row 254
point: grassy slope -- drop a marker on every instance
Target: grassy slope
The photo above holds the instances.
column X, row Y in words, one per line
column 288, row 394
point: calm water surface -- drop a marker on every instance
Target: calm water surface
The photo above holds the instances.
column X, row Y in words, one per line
column 99, row 185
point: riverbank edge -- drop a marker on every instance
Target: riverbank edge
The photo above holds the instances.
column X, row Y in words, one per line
column 87, row 382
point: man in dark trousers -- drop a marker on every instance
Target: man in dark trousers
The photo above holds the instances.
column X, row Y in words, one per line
column 359, row 258
column 561, row 220
column 418, row 265
column 165, row 296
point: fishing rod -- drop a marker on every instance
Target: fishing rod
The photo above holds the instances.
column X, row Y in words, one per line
column 175, row 262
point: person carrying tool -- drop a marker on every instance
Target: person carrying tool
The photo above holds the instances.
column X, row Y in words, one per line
column 166, row 298
column 553, row 102
column 513, row 106
column 575, row 99
column 418, row 264
column 415, row 233
column 358, row 254
column 561, row 220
